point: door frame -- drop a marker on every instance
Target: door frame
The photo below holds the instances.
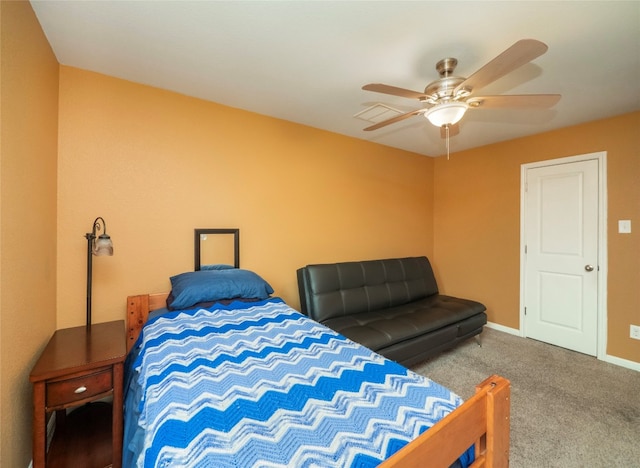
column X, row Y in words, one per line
column 601, row 157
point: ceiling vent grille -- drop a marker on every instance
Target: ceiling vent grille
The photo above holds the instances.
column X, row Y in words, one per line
column 377, row 113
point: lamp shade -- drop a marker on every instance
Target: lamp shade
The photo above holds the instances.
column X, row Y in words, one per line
column 447, row 113
column 103, row 246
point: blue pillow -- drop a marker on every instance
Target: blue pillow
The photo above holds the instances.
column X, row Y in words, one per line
column 188, row 289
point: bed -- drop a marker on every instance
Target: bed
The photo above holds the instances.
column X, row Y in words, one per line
column 219, row 372
column 481, row 423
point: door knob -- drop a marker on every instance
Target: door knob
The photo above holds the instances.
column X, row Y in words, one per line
column 588, row 267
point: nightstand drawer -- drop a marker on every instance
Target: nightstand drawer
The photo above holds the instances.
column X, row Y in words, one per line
column 63, row 392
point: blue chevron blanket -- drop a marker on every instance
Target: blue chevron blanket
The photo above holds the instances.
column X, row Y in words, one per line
column 261, row 385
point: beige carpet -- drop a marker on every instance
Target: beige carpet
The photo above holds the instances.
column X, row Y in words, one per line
column 567, row 409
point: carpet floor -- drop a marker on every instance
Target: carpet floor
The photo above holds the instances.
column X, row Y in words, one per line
column 567, row 409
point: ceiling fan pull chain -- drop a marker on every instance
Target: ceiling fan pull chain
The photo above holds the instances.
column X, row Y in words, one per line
column 447, row 133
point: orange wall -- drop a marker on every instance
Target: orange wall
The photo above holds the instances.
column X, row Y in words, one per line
column 28, row 147
column 155, row 165
column 477, row 221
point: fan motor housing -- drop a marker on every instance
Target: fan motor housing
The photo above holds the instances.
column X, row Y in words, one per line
column 442, row 89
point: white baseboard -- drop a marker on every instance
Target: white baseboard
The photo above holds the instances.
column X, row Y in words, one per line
column 622, row 362
column 607, row 358
column 502, row 328
column 51, row 428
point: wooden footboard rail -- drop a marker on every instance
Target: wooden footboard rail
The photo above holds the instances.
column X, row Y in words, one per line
column 482, row 420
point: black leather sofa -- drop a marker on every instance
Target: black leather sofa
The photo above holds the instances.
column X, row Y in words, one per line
column 391, row 306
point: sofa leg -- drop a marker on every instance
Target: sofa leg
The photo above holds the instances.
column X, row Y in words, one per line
column 477, row 337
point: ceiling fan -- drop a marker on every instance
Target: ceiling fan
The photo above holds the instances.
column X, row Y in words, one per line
column 448, row 98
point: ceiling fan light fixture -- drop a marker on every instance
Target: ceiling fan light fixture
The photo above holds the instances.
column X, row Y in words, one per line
column 447, row 113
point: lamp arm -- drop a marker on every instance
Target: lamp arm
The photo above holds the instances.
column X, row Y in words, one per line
column 98, row 224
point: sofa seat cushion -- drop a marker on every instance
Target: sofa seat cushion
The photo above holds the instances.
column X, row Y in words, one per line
column 386, row 327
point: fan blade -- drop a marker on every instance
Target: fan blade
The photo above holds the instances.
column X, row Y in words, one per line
column 386, row 89
column 395, row 119
column 513, row 100
column 523, row 51
column 453, row 130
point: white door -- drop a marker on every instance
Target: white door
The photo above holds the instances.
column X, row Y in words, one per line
column 561, row 255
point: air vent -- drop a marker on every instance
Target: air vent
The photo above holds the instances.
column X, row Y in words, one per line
column 377, row 113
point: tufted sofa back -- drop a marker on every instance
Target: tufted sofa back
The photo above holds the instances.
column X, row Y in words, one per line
column 338, row 289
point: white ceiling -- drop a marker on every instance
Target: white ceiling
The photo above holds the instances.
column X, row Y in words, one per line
column 306, row 61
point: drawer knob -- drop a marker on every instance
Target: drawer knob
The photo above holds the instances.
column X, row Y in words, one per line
column 80, row 389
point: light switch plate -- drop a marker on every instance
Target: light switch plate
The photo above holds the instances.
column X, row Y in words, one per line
column 624, row 226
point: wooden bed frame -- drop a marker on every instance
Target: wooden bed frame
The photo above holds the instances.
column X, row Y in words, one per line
column 482, row 420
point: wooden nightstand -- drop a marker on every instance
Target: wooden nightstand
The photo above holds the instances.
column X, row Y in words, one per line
column 80, row 366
